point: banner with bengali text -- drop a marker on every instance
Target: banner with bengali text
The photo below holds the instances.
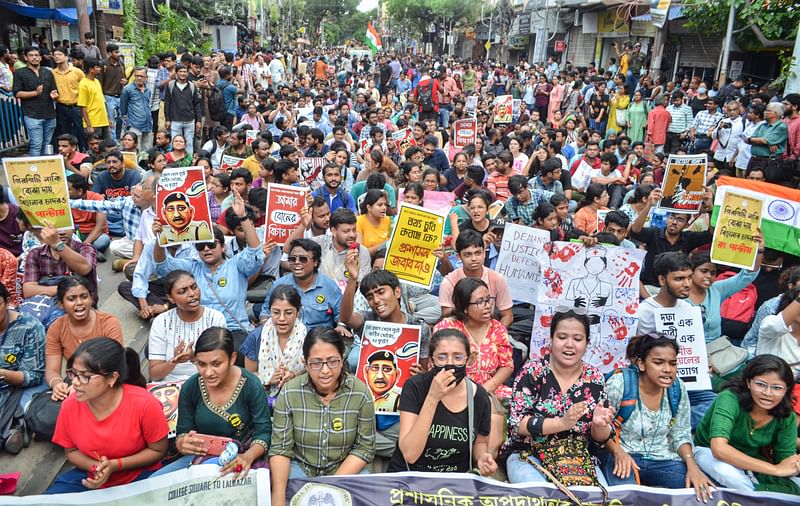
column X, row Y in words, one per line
column 417, row 232
column 39, row 185
column 284, row 205
column 734, row 241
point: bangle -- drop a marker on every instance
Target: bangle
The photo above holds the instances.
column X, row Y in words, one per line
column 50, row 383
column 119, row 464
column 531, row 426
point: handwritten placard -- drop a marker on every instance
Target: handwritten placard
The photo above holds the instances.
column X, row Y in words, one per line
column 685, row 325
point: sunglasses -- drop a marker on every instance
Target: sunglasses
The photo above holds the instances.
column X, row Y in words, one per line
column 200, row 246
column 299, row 258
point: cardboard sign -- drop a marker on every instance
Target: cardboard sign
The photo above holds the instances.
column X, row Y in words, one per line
column 129, row 160
column 582, row 176
column 229, row 163
column 404, row 139
column 39, row 185
column 465, row 132
column 284, row 205
column 684, row 183
column 438, row 202
column 685, row 324
column 734, row 236
column 472, row 105
column 168, row 394
column 250, row 136
column 311, row 170
column 417, row 232
column 503, row 109
column 387, row 352
column 516, row 109
column 182, row 207
column 519, row 260
column 601, row 218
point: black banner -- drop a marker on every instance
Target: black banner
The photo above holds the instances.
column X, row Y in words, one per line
column 448, row 489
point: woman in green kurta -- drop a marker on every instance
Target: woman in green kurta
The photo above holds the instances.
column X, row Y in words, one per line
column 637, row 118
column 222, row 399
column 748, row 437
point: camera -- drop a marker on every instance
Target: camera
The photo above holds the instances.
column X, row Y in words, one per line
column 726, row 124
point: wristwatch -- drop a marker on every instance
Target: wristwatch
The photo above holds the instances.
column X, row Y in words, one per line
column 60, row 245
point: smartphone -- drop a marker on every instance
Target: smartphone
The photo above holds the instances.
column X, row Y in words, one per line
column 215, row 445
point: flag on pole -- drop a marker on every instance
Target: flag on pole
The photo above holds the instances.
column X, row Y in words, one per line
column 372, row 38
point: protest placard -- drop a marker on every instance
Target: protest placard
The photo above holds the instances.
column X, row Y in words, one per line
column 685, row 325
column 311, row 170
column 684, row 183
column 601, row 218
column 284, row 205
column 518, row 263
column 129, row 160
column 417, row 232
column 182, row 206
column 250, row 136
column 39, row 185
column 167, row 394
column 229, row 163
column 738, row 220
column 465, row 131
column 404, row 139
column 582, row 176
column 438, row 202
column 516, row 109
column 503, row 109
column 471, row 106
column 495, row 208
column 387, row 352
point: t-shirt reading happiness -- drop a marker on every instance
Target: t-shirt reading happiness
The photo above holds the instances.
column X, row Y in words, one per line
column 447, row 447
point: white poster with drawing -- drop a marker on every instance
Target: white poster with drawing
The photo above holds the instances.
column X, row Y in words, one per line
column 685, row 325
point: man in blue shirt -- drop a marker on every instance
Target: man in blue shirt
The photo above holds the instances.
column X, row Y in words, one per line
column 229, row 91
column 321, row 296
column 331, row 191
column 434, row 157
column 134, row 106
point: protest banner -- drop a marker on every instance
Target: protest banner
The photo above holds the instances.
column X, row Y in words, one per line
column 229, row 163
column 438, row 202
column 200, row 484
column 284, row 205
column 465, row 131
column 516, row 109
column 129, row 160
column 311, row 170
column 601, row 218
column 582, row 176
column 404, row 139
column 417, row 232
column 684, row 183
column 182, row 206
column 503, row 109
column 495, row 208
column 519, row 260
column 250, row 136
column 685, row 325
column 409, row 488
column 734, row 241
column 471, row 106
column 167, row 394
column 387, row 352
column 39, row 185
column 601, row 280
column 780, row 213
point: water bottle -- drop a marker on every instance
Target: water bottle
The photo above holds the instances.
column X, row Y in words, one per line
column 48, row 149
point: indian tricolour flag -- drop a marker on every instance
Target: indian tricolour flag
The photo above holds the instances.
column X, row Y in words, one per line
column 780, row 222
column 372, row 38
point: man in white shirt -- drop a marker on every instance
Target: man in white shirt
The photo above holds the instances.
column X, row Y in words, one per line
column 728, row 134
column 277, row 71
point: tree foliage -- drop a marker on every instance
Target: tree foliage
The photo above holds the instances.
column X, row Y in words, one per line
column 416, row 15
column 776, row 19
column 174, row 29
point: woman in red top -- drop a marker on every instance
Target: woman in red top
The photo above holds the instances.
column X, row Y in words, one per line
column 113, row 430
column 492, row 363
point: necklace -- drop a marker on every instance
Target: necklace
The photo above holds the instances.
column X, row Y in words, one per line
column 648, row 448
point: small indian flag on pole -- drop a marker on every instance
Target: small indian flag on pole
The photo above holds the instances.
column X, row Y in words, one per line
column 372, row 38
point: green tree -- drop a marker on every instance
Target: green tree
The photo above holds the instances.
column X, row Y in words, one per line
column 758, row 24
column 416, row 15
column 174, row 29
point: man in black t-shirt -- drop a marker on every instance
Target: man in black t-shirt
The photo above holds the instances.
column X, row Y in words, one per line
column 36, row 89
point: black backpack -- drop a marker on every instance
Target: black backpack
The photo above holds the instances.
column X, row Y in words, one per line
column 425, row 96
column 41, row 415
column 216, row 103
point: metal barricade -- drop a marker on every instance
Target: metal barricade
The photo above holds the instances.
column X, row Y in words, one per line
column 12, row 128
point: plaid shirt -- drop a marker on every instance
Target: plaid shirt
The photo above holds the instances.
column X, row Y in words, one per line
column 131, row 215
column 22, row 349
column 524, row 212
column 321, row 437
column 704, row 122
column 40, row 263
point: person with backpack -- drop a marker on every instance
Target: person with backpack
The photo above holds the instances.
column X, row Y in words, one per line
column 222, row 98
column 653, row 441
column 424, row 95
column 183, row 107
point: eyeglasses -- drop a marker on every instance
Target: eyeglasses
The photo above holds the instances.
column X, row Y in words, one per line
column 303, row 259
column 385, row 369
column 83, row 379
column 332, row 363
column 442, row 358
column 488, row 301
column 200, row 246
column 763, row 387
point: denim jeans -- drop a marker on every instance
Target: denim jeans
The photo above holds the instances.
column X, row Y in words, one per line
column 444, row 115
column 520, row 471
column 182, row 463
column 296, row 470
column 114, row 116
column 145, row 138
column 186, row 130
column 652, row 473
column 102, row 242
column 69, row 121
column 721, row 472
column 70, row 482
column 700, row 400
column 40, row 134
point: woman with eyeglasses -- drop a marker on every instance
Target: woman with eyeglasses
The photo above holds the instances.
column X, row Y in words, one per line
column 558, row 396
column 747, row 440
column 223, row 282
column 224, row 400
column 373, row 225
column 274, row 351
column 112, row 430
column 654, row 443
column 81, row 322
column 435, row 432
column 174, row 332
column 491, row 363
column 324, row 420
